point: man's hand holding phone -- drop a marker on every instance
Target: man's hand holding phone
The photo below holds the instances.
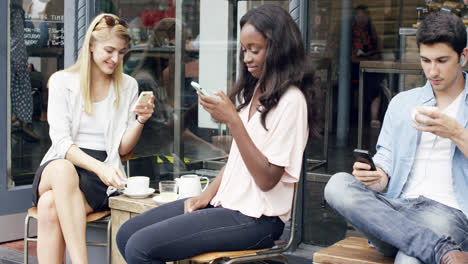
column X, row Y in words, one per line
column 144, row 107
column 365, row 171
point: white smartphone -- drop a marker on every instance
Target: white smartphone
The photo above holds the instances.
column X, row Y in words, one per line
column 144, row 97
column 199, row 88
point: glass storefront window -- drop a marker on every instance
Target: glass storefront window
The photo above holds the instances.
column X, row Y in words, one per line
column 36, row 37
column 378, row 40
column 181, row 137
column 381, row 39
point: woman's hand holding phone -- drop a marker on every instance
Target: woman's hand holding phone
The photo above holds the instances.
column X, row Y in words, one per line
column 221, row 108
column 144, row 107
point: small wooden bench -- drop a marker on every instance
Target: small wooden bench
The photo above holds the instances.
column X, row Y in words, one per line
column 351, row 250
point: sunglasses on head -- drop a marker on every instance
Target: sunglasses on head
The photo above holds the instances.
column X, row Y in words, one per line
column 111, row 21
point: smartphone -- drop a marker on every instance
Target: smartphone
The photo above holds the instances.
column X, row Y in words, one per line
column 199, row 88
column 144, row 97
column 364, row 157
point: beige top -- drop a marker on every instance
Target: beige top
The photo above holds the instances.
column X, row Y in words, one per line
column 283, row 145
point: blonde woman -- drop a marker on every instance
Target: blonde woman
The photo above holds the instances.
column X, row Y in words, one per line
column 94, row 118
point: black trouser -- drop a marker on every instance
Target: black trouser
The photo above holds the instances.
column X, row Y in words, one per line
column 165, row 233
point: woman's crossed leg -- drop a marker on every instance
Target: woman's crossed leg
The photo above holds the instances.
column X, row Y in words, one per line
column 62, row 210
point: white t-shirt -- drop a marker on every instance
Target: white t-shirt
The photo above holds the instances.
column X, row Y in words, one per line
column 92, row 128
column 431, row 174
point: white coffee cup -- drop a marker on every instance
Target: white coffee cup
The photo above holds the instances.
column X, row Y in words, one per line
column 190, row 185
column 137, row 184
column 415, row 112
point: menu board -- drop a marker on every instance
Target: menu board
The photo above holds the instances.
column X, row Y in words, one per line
column 43, row 23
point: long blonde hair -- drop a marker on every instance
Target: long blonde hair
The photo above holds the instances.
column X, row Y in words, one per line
column 98, row 30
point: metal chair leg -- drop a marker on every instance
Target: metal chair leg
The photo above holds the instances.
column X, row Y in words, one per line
column 109, row 241
column 26, row 238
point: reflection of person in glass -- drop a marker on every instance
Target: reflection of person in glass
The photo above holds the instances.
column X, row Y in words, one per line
column 21, row 92
column 148, row 72
column 37, row 80
column 246, row 206
column 365, row 47
column 154, row 72
column 91, row 113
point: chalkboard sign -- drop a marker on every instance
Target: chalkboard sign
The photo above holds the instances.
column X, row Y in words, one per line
column 43, row 24
column 44, row 34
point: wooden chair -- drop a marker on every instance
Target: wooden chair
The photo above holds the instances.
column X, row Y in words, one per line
column 98, row 219
column 243, row 256
column 351, row 250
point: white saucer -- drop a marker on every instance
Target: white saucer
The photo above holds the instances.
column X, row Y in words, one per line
column 139, row 195
column 158, row 199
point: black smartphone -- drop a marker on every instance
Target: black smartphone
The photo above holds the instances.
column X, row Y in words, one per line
column 364, row 157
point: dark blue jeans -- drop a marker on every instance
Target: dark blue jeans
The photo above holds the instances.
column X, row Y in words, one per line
column 415, row 230
column 165, row 233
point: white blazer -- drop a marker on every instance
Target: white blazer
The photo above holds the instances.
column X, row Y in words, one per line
column 65, row 107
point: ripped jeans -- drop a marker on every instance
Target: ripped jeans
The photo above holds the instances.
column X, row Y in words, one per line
column 165, row 233
column 416, row 230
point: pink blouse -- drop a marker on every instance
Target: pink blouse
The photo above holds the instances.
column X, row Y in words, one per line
column 283, row 145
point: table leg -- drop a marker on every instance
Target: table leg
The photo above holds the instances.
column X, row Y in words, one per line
column 118, row 217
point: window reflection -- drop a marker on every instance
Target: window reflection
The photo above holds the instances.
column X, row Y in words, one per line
column 36, row 51
column 151, row 61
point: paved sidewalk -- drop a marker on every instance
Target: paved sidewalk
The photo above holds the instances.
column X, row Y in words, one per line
column 302, row 255
column 12, row 252
column 11, row 256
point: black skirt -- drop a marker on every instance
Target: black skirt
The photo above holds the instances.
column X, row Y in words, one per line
column 92, row 187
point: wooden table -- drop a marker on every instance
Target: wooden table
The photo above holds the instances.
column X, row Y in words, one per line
column 122, row 209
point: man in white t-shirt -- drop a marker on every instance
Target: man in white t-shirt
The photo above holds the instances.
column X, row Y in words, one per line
column 415, row 205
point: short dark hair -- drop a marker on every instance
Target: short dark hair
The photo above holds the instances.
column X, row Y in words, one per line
column 443, row 27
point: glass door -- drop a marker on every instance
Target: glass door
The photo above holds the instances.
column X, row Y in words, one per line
column 33, row 51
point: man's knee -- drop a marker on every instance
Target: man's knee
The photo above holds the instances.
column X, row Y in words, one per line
column 47, row 213
column 340, row 192
column 336, row 187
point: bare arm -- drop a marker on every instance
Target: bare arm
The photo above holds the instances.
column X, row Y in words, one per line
column 132, row 134
column 265, row 174
column 109, row 175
